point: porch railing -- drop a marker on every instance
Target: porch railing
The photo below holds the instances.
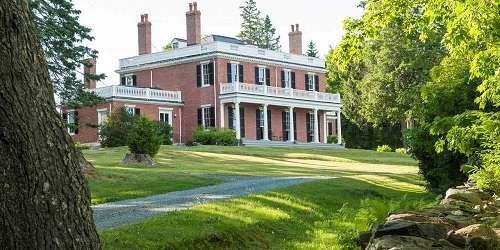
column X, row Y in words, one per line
column 138, row 93
column 245, row 88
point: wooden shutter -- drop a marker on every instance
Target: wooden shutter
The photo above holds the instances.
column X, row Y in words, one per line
column 257, row 75
column 198, row 75
column 242, row 122
column 283, row 79
column 294, row 125
column 240, row 66
column 211, row 73
column 229, row 78
column 77, row 122
column 308, row 127
column 134, row 80
column 258, row 134
column 293, row 79
column 200, row 117
column 316, row 82
column 269, row 127
column 212, row 117
column 307, row 81
column 230, row 117
column 137, row 111
column 283, row 125
column 123, row 81
column 318, row 126
column 268, row 77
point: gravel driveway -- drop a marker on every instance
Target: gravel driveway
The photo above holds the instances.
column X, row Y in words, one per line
column 114, row 214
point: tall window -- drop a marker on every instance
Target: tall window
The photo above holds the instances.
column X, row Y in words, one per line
column 165, row 116
column 206, row 117
column 286, row 119
column 311, row 83
column 261, row 116
column 131, row 110
column 129, row 81
column 234, row 72
column 205, row 74
column 311, row 122
column 262, row 75
column 288, row 79
column 71, row 121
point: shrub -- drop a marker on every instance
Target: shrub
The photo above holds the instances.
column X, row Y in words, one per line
column 332, row 139
column 145, row 137
column 384, row 148
column 81, row 147
column 401, row 151
column 213, row 136
column 167, row 133
column 488, row 178
column 114, row 132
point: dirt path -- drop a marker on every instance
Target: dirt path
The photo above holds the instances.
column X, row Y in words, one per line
column 114, row 214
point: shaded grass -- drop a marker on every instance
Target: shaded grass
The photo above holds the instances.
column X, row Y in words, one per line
column 320, row 215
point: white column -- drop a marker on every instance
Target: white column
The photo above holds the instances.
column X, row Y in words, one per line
column 292, row 128
column 325, row 128
column 339, row 128
column 316, row 130
column 222, row 118
column 266, row 131
column 237, row 118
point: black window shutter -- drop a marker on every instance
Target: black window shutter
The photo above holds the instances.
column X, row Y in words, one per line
column 137, row 111
column 257, row 75
column 269, row 127
column 307, row 81
column 308, row 127
column 318, row 127
column 283, row 126
column 282, row 78
column 316, row 82
column 268, row 77
column 123, row 81
column 211, row 73
column 241, row 72
column 242, row 122
column 200, row 117
column 212, row 117
column 65, row 117
column 295, row 125
column 229, row 78
column 258, row 135
column 293, row 79
column 198, row 76
column 134, row 80
column 230, row 117
column 77, row 122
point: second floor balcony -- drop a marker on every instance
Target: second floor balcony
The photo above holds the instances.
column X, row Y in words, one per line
column 138, row 94
column 279, row 93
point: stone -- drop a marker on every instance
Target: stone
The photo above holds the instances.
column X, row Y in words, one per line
column 398, row 242
column 477, row 230
column 364, row 239
column 466, row 195
column 411, row 228
column 424, row 218
column 461, row 221
column 483, row 243
column 457, row 240
column 138, row 159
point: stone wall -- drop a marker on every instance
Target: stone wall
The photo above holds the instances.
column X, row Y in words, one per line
column 466, row 218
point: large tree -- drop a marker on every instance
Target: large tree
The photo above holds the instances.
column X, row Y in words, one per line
column 312, row 51
column 270, row 40
column 63, row 41
column 45, row 201
column 257, row 30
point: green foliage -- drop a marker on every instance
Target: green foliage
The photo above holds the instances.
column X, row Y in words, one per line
column 332, row 139
column 115, row 130
column 257, row 30
column 384, row 148
column 214, row 136
column 400, row 151
column 63, row 38
column 81, row 147
column 312, row 51
column 145, row 137
column 166, row 132
column 366, row 136
column 167, row 47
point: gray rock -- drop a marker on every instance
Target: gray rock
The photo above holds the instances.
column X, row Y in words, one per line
column 399, row 242
column 467, row 195
column 483, row 243
column 411, row 228
column 138, row 159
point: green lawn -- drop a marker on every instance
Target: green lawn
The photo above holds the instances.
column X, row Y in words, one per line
column 321, row 215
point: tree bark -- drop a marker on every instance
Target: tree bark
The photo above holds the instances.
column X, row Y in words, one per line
column 44, row 198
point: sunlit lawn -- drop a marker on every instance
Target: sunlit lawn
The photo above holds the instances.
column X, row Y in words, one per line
column 299, row 217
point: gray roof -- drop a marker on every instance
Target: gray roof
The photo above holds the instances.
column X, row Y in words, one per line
column 226, row 39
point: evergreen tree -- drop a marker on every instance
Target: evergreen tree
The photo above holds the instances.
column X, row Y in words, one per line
column 251, row 26
column 312, row 51
column 269, row 38
column 62, row 38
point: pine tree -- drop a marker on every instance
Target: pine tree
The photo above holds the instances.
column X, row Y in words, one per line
column 312, row 51
column 251, row 26
column 62, row 38
column 269, row 38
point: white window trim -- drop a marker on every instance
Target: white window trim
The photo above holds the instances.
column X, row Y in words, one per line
column 288, row 84
column 128, row 107
column 312, row 80
column 203, row 113
column 127, row 78
column 263, row 76
column 72, row 111
column 202, row 65
column 236, row 77
column 166, row 111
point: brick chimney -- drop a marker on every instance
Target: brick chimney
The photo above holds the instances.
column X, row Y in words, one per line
column 193, row 24
column 89, row 68
column 295, row 40
column 144, row 35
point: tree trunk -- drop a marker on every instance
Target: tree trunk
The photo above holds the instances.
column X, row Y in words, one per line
column 44, row 198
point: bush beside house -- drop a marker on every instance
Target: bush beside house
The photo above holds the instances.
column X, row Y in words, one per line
column 214, row 136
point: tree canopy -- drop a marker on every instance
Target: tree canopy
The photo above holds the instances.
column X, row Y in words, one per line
column 257, row 30
column 312, row 51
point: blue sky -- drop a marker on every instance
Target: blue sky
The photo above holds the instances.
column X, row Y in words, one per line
column 114, row 23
